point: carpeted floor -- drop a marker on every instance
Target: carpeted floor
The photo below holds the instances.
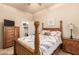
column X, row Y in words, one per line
column 9, row 51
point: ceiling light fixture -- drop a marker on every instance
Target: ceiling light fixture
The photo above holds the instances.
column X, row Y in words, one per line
column 30, row 4
column 40, row 4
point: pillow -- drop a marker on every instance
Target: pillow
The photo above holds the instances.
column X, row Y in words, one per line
column 45, row 32
column 55, row 33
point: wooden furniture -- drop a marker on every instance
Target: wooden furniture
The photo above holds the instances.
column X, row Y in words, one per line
column 21, row 50
column 71, row 45
column 10, row 34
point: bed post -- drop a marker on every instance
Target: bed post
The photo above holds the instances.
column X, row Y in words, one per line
column 61, row 29
column 14, row 47
column 42, row 26
column 37, row 42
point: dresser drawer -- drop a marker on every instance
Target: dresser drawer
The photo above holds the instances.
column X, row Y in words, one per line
column 8, row 44
column 9, row 39
column 11, row 30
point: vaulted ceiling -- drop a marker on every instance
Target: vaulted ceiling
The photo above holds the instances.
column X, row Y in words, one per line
column 30, row 7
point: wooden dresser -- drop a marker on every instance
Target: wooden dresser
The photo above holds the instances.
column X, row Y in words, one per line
column 71, row 46
column 10, row 34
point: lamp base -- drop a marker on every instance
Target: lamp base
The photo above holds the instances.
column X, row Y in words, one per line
column 71, row 37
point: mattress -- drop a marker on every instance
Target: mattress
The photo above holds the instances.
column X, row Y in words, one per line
column 48, row 44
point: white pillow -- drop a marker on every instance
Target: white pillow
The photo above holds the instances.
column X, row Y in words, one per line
column 55, row 33
column 45, row 31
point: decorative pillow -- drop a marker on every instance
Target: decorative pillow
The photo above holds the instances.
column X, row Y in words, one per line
column 46, row 32
column 55, row 33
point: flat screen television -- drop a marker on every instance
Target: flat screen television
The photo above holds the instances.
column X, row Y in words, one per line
column 8, row 22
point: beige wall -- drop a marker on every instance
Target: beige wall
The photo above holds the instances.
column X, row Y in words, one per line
column 12, row 14
column 66, row 12
column 69, row 13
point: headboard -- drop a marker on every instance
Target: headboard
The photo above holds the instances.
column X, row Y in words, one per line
column 55, row 29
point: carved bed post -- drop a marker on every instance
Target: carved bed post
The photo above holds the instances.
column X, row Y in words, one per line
column 42, row 26
column 61, row 29
column 37, row 42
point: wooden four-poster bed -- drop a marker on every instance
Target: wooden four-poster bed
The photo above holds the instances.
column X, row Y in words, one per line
column 19, row 49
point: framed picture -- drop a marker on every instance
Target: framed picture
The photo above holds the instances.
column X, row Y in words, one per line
column 51, row 22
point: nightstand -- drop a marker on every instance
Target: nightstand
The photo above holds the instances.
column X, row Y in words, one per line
column 71, row 45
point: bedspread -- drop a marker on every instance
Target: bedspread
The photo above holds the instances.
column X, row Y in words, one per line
column 47, row 43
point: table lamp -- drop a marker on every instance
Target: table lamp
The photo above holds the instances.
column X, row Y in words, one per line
column 71, row 29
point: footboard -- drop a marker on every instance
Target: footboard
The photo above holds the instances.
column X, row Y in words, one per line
column 21, row 50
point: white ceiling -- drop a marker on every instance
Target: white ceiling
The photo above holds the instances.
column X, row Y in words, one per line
column 30, row 7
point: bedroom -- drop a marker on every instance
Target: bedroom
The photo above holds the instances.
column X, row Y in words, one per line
column 49, row 16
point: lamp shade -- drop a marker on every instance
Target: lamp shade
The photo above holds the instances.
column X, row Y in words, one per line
column 27, row 22
column 70, row 26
